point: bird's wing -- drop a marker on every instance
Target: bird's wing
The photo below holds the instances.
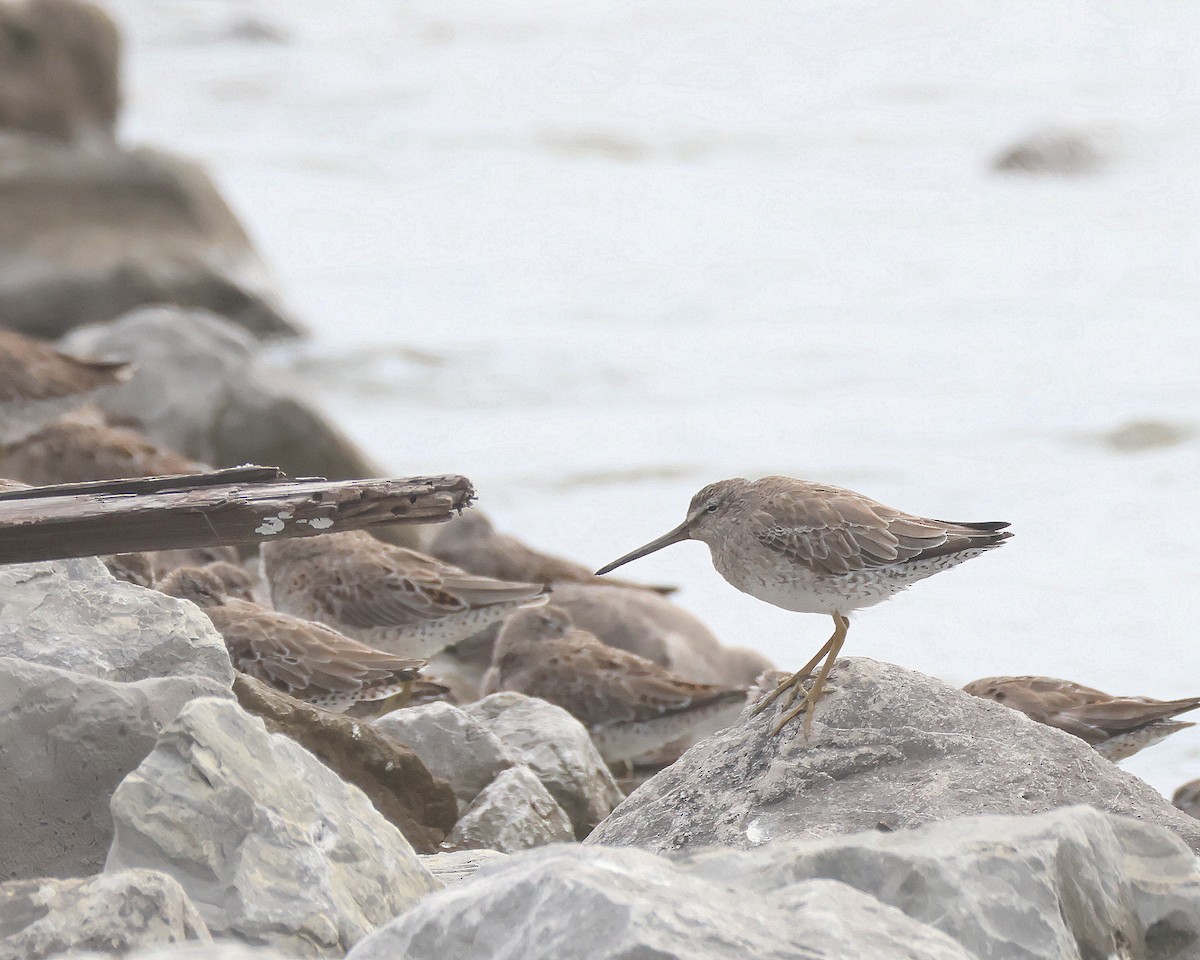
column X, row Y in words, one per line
column 1089, row 714
column 300, row 656
column 601, row 684
column 391, row 586
column 834, row 531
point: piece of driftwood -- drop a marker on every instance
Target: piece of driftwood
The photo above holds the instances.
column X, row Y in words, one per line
column 227, row 507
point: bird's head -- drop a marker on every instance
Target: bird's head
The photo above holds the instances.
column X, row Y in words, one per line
column 707, row 515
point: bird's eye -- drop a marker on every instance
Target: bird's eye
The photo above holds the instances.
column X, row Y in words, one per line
column 711, row 508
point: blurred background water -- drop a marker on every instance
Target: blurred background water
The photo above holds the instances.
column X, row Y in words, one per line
column 596, row 255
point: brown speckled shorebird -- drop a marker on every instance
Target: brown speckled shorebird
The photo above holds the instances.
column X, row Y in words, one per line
column 306, row 660
column 816, row 548
column 630, row 705
column 1118, row 727
column 389, row 597
column 39, row 384
column 81, row 446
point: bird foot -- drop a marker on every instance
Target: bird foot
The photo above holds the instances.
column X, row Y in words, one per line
column 805, row 706
column 790, row 686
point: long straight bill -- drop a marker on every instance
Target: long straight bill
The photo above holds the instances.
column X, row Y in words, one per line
column 679, row 533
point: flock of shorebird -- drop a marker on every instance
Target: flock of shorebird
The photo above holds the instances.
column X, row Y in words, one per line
column 344, row 619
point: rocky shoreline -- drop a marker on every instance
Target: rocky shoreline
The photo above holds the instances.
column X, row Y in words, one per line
column 158, row 806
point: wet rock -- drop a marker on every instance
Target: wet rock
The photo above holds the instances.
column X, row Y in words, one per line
column 1036, row 888
column 66, row 741
column 1187, row 798
column 514, row 812
column 86, row 236
column 453, row 744
column 270, row 845
column 888, row 747
column 198, row 388
column 59, row 70
column 75, row 615
column 652, row 627
column 1138, row 435
column 109, row 913
column 458, row 865
column 582, row 903
column 557, row 748
column 1053, row 152
column 393, row 777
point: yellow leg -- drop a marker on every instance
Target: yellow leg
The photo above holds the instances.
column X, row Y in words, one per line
column 809, row 703
column 793, row 682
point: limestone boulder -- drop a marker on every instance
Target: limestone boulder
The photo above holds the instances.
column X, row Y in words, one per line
column 87, row 235
column 584, row 903
column 453, row 744
column 457, row 865
column 59, row 70
column 889, row 748
column 513, row 812
column 66, row 742
column 559, row 751
column 227, row 950
column 199, row 387
column 1045, row 887
column 271, row 846
column 75, row 615
column 110, row 913
column 394, row 778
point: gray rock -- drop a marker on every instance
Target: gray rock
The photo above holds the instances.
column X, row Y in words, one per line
column 75, row 615
column 888, row 746
column 557, row 748
column 66, row 741
column 580, row 903
column 1048, row 887
column 514, row 812
column 454, row 745
column 87, row 235
column 112, row 912
column 1164, row 882
column 458, row 865
column 270, row 845
column 59, row 70
column 198, row 388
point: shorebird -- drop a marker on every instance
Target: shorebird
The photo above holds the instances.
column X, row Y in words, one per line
column 81, row 446
column 39, row 384
column 306, row 660
column 389, row 597
column 471, row 542
column 1118, row 727
column 816, row 548
column 629, row 704
column 227, row 578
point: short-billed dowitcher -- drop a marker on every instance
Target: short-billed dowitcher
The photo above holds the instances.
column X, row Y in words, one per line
column 630, row 705
column 817, row 548
column 389, row 597
column 1118, row 727
column 306, row 660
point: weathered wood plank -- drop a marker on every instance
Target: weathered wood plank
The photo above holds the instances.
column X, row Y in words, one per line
column 125, row 516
